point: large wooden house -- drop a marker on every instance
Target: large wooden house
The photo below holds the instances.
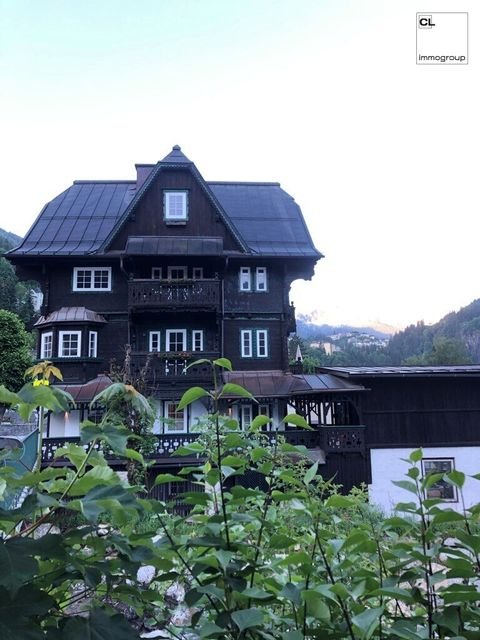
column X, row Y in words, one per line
column 175, row 269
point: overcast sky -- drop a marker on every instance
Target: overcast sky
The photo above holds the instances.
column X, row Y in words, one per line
column 323, row 96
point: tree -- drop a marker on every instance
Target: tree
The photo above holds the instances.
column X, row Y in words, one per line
column 448, row 351
column 8, row 283
column 15, row 350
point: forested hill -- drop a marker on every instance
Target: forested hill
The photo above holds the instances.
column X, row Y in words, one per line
column 8, row 240
column 458, row 332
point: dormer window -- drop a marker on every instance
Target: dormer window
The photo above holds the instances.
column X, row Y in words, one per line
column 175, row 206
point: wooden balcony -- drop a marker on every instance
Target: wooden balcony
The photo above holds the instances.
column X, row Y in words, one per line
column 330, row 439
column 165, row 366
column 174, row 295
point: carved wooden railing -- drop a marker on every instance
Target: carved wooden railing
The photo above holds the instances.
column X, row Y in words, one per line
column 330, row 439
column 161, row 365
column 168, row 294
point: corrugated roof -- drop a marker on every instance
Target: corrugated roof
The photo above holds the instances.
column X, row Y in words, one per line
column 84, row 218
column 70, row 314
column 171, row 245
column 271, row 384
column 413, row 371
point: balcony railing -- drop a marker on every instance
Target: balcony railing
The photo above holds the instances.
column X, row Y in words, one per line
column 168, row 294
column 161, row 366
column 330, row 439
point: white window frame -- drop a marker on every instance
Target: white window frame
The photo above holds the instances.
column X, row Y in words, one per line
column 46, row 345
column 92, row 344
column 156, row 273
column 261, row 281
column 172, row 428
column 181, row 268
column 262, row 353
column 245, row 279
column 61, row 336
column 154, row 336
column 92, row 270
column 175, row 210
column 197, row 273
column 246, row 343
column 168, row 334
column 246, row 416
column 197, row 335
column 426, row 471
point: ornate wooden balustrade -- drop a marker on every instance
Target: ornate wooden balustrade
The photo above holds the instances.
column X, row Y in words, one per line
column 330, row 439
column 168, row 294
column 163, row 365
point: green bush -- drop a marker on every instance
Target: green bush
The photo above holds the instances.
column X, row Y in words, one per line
column 288, row 559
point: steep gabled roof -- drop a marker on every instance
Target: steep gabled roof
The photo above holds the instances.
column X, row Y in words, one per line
column 84, row 219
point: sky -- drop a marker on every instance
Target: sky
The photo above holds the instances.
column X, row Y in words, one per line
column 323, row 96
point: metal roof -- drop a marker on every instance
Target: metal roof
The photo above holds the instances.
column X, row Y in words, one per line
column 85, row 393
column 413, row 371
column 86, row 217
column 270, row 384
column 70, row 314
column 172, row 245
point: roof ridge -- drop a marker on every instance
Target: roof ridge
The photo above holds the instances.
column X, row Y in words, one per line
column 104, row 182
column 244, row 182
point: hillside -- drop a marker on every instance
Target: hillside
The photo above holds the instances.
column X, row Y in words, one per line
column 460, row 328
column 8, row 240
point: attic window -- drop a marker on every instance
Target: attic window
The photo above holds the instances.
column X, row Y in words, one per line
column 175, row 206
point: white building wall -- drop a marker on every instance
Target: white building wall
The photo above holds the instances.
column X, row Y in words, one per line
column 65, row 425
column 389, row 465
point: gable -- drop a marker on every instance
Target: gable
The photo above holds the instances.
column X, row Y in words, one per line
column 146, row 216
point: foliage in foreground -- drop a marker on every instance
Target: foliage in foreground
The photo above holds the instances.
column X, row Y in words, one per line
column 284, row 558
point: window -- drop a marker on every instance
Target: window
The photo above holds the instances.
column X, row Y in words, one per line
column 175, row 206
column 262, row 345
column 245, row 416
column 156, row 273
column 176, row 340
column 69, row 344
column 261, row 279
column 177, row 273
column 154, row 341
column 177, row 420
column 441, row 488
column 245, row 279
column 197, row 273
column 246, row 343
column 46, row 345
column 197, row 340
column 92, row 344
column 254, row 343
column 264, row 410
column 89, row 279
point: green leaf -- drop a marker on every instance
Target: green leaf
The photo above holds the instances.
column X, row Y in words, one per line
column 191, row 395
column 281, row 541
column 316, row 605
column 447, row 515
column 416, row 455
column 235, row 390
column 368, row 621
column 292, row 593
column 163, row 478
column 297, row 421
column 93, row 478
column 132, row 454
column 406, row 484
column 457, row 478
column 310, row 474
column 247, row 618
column 8, row 397
column 224, row 363
column 16, row 564
column 211, row 630
column 258, row 422
column 339, row 501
